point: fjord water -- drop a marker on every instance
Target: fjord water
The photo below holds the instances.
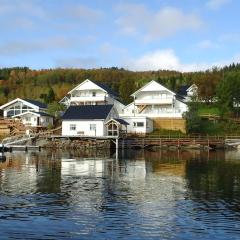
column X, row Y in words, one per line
column 142, row 195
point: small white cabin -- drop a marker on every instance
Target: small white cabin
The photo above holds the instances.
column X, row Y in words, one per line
column 35, row 119
column 139, row 124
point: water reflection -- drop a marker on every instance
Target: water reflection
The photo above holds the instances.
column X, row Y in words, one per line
column 84, row 195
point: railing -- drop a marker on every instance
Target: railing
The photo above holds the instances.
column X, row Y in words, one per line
column 22, row 138
column 87, row 98
column 154, row 101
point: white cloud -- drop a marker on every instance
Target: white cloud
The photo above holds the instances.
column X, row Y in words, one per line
column 82, row 12
column 39, row 14
column 109, row 49
column 24, row 47
column 137, row 19
column 205, row 44
column 166, row 59
column 208, row 44
column 216, row 4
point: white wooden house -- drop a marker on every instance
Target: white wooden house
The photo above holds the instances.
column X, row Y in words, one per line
column 155, row 101
column 36, row 119
column 31, row 112
column 92, row 93
column 92, row 120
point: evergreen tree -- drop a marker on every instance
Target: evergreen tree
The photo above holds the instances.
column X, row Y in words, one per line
column 193, row 121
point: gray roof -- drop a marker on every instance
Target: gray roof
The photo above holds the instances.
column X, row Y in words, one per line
column 121, row 121
column 183, row 90
column 106, row 88
column 44, row 114
column 36, row 103
column 87, row 112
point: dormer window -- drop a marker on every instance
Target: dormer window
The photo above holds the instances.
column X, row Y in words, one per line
column 94, row 94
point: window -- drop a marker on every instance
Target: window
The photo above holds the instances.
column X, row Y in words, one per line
column 92, row 127
column 72, row 127
column 94, row 94
column 28, row 119
column 138, row 124
column 112, row 129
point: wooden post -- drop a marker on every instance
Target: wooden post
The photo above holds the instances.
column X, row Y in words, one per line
column 116, row 148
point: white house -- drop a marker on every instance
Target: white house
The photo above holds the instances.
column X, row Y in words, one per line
column 154, row 106
column 186, row 92
column 19, row 106
column 92, row 93
column 92, row 120
column 35, row 119
column 155, row 101
column 31, row 112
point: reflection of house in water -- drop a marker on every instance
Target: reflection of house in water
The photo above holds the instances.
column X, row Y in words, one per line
column 83, row 167
column 26, row 172
column 233, row 155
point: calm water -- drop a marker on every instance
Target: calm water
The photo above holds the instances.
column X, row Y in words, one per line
column 142, row 195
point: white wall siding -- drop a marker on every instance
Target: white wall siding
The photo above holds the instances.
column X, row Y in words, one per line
column 133, row 126
column 31, row 119
column 83, row 128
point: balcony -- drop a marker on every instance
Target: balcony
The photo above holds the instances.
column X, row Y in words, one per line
column 153, row 101
column 88, row 99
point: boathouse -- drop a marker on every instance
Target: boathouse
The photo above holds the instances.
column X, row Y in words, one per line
column 92, row 120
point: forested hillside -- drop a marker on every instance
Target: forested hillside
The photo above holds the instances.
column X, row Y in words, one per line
column 52, row 84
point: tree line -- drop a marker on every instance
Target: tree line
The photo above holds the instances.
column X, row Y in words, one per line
column 51, row 85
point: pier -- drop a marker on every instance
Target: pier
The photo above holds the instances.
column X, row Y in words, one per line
column 144, row 143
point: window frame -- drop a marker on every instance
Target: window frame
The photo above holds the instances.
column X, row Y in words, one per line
column 72, row 127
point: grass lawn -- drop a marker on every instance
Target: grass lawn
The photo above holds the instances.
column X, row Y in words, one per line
column 205, row 110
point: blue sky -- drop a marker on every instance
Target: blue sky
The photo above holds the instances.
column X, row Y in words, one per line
column 183, row 35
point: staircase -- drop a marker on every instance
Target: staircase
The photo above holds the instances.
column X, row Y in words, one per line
column 23, row 138
column 16, row 140
column 11, row 127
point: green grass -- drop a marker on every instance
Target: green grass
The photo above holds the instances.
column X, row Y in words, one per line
column 205, row 110
column 219, row 128
column 165, row 132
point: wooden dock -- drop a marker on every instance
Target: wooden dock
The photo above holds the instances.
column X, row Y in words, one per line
column 145, row 143
column 25, row 148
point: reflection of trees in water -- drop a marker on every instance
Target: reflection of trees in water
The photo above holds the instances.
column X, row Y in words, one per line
column 213, row 178
column 168, row 162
